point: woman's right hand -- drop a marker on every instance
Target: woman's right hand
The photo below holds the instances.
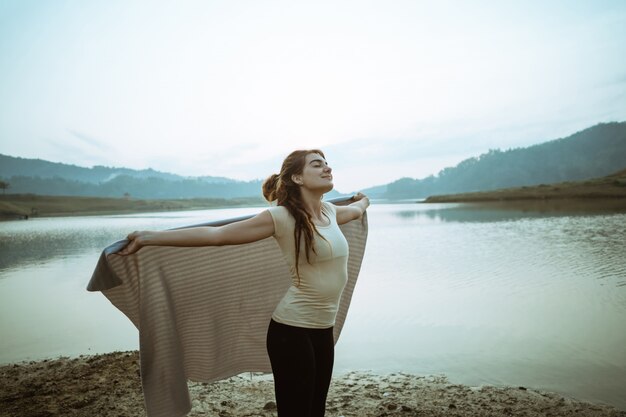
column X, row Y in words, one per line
column 135, row 240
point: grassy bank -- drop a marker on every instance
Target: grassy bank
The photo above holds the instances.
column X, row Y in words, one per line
column 15, row 206
column 601, row 189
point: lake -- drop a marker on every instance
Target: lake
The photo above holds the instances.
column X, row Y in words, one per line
column 484, row 295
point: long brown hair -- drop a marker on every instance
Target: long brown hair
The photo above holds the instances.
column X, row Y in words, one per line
column 281, row 188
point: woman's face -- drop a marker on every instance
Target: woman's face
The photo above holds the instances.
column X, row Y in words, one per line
column 316, row 174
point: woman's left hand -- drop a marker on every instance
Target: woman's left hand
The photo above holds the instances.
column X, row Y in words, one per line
column 358, row 196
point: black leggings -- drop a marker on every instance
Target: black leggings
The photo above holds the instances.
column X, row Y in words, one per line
column 302, row 363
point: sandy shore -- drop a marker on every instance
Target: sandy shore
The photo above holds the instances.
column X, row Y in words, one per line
column 109, row 385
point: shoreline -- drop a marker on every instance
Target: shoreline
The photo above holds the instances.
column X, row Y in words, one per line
column 513, row 198
column 109, row 385
column 26, row 206
column 9, row 211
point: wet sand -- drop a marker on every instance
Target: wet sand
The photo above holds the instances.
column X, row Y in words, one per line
column 109, row 385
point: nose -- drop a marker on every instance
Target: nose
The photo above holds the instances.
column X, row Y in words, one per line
column 328, row 169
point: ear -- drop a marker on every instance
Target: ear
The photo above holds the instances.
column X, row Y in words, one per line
column 297, row 179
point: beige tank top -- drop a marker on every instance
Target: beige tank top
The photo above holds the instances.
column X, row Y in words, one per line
column 312, row 301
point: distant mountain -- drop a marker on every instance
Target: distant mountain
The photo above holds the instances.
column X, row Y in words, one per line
column 594, row 152
column 36, row 176
column 23, row 167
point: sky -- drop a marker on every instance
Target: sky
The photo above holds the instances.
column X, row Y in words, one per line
column 387, row 89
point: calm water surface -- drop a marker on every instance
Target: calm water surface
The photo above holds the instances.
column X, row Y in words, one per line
column 481, row 295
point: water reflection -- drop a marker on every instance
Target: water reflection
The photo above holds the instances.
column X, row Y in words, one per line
column 497, row 211
column 37, row 241
column 40, row 246
column 511, row 242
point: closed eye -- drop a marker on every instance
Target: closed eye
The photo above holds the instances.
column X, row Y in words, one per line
column 318, row 163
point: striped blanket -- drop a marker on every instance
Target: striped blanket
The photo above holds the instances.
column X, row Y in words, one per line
column 202, row 312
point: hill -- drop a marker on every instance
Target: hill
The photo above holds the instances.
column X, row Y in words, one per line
column 609, row 187
column 39, row 177
column 11, row 166
column 594, row 152
column 36, row 176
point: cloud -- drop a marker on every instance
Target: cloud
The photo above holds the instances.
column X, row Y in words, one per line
column 79, row 148
column 90, row 141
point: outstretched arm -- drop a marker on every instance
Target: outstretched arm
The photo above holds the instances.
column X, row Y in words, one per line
column 354, row 210
column 245, row 231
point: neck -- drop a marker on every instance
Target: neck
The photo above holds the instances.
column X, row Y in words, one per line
column 312, row 202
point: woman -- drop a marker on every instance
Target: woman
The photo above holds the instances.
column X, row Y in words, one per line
column 300, row 335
